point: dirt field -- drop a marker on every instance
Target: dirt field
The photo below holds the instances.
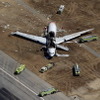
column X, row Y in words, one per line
column 78, row 15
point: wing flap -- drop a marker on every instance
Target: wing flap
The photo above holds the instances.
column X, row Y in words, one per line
column 62, row 47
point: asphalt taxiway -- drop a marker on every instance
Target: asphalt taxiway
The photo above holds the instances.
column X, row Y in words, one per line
column 25, row 86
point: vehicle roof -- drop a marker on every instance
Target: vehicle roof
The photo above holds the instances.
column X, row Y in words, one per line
column 20, row 67
column 76, row 68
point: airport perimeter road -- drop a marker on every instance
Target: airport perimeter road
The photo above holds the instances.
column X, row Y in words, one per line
column 25, row 86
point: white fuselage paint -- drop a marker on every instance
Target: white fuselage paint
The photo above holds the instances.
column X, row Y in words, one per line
column 52, row 28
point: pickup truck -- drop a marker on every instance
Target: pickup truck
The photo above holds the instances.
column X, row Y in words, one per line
column 45, row 68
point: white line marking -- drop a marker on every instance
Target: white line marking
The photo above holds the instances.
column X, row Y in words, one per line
column 20, row 82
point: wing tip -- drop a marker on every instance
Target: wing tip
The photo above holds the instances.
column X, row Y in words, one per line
column 14, row 33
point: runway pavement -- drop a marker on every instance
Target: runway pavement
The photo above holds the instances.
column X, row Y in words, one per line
column 25, row 86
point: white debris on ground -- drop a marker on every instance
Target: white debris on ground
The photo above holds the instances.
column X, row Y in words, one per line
column 5, row 27
column 16, row 51
column 61, row 30
column 27, row 31
column 19, row 4
column 21, row 9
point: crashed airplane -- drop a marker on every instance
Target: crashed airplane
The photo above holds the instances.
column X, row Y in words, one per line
column 50, row 40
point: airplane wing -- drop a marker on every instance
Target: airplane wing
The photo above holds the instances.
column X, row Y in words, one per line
column 71, row 36
column 30, row 37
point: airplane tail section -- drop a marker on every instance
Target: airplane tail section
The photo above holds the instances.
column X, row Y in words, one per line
column 62, row 55
column 63, row 48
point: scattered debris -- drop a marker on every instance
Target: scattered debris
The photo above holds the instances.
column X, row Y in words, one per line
column 3, row 31
column 27, row 31
column 21, row 9
column 61, row 30
column 19, row 4
column 16, row 50
column 48, row 18
column 6, row 4
column 5, row 26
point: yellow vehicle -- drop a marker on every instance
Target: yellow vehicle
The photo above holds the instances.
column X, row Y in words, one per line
column 47, row 92
column 88, row 39
column 19, row 69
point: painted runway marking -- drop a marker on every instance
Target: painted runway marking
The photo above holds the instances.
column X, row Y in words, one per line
column 19, row 82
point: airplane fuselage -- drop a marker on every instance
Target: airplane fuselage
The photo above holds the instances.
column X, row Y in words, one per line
column 50, row 39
